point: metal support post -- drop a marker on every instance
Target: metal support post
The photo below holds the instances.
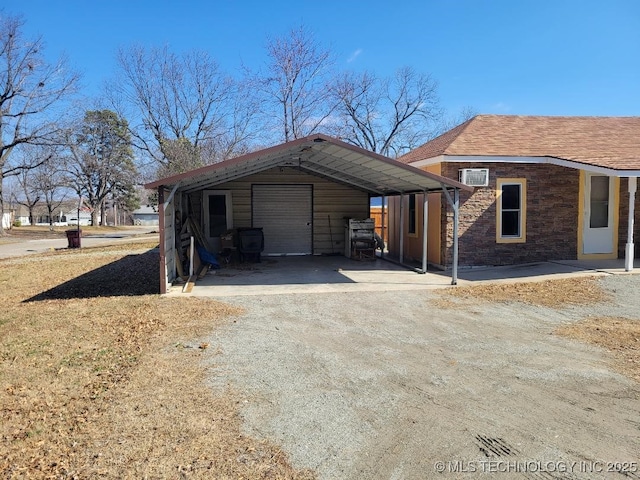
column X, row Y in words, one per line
column 425, row 222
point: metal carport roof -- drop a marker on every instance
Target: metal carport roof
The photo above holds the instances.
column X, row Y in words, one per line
column 329, row 158
column 323, row 156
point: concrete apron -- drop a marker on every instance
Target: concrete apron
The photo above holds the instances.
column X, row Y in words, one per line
column 324, row 274
column 311, row 274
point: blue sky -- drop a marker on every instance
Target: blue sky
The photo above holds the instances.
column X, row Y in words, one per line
column 542, row 57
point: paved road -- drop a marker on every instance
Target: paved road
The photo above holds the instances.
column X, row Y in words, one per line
column 26, row 247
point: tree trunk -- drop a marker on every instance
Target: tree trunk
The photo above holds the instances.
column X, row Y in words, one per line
column 50, row 217
column 103, row 214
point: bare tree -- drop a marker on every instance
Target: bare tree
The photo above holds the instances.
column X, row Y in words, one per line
column 187, row 107
column 50, row 181
column 387, row 116
column 296, row 84
column 38, row 172
column 29, row 194
column 30, row 92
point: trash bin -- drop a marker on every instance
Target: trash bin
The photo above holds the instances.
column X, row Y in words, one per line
column 250, row 243
column 73, row 237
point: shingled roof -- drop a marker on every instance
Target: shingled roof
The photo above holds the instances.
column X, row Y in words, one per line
column 609, row 142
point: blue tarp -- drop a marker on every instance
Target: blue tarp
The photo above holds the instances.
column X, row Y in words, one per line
column 207, row 257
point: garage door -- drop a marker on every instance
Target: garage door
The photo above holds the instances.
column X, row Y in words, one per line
column 284, row 212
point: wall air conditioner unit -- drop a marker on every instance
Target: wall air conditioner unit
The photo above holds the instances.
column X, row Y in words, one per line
column 474, row 177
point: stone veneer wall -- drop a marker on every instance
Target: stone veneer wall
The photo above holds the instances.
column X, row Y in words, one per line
column 551, row 224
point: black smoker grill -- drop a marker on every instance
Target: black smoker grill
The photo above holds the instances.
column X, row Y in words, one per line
column 250, row 243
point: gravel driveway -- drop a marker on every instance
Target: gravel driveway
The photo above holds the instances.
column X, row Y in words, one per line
column 387, row 384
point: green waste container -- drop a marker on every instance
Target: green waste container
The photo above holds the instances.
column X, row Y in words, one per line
column 73, row 237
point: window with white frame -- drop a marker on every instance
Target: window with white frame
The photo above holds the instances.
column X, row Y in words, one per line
column 511, row 201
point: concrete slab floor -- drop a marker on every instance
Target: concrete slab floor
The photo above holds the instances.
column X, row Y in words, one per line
column 324, row 274
column 311, row 274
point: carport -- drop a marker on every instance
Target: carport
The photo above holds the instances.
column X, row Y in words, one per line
column 300, row 191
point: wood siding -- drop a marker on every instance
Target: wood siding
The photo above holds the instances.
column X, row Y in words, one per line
column 413, row 243
column 376, row 214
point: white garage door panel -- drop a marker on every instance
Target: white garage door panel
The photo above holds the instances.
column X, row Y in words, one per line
column 284, row 212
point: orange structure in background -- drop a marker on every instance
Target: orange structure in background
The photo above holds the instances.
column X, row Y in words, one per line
column 376, row 214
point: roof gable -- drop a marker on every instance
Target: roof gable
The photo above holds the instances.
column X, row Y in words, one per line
column 322, row 156
column 609, row 142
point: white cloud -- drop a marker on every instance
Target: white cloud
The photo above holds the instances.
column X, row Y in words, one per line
column 354, row 55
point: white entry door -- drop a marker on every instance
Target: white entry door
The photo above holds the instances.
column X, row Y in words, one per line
column 284, row 212
column 218, row 215
column 599, row 204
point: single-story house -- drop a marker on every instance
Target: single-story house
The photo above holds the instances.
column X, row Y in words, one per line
column 299, row 193
column 71, row 217
column 20, row 215
column 64, row 214
column 546, row 188
column 146, row 215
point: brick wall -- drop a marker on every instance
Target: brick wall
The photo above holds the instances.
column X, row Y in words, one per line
column 552, row 216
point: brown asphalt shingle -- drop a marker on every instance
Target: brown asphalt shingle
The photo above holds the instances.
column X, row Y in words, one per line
column 611, row 142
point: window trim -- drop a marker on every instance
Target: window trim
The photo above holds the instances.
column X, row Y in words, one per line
column 522, row 183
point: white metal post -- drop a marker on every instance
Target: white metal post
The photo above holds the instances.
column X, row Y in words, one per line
column 401, row 227
column 192, row 254
column 425, row 221
column 629, row 248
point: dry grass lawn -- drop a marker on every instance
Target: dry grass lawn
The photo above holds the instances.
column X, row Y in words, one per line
column 548, row 293
column 32, row 232
column 101, row 377
column 621, row 336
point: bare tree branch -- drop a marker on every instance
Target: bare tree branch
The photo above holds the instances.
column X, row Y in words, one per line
column 30, row 92
column 295, row 84
column 186, row 107
column 388, row 116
